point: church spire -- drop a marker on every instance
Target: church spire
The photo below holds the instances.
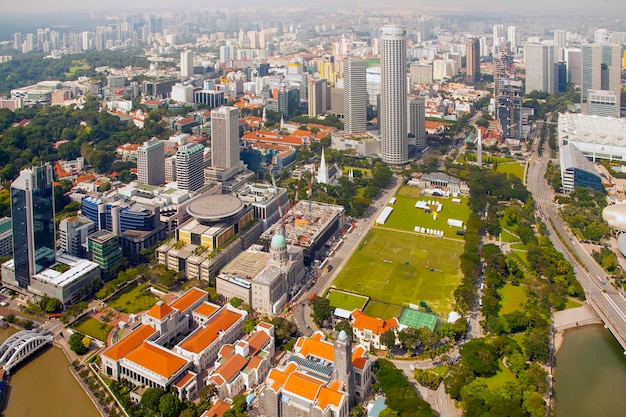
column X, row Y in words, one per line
column 322, row 175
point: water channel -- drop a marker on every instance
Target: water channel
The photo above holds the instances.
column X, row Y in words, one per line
column 590, row 374
column 43, row 386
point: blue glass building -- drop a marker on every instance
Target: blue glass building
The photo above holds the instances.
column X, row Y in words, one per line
column 32, row 211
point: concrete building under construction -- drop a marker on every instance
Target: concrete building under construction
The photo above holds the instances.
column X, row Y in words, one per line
column 308, row 225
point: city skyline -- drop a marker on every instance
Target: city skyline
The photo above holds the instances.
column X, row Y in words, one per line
column 489, row 7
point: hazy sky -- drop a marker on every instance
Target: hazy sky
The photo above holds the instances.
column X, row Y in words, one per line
column 615, row 8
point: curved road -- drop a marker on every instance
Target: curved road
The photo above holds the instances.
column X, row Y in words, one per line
column 606, row 300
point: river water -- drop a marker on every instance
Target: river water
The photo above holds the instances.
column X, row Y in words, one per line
column 43, row 386
column 590, row 374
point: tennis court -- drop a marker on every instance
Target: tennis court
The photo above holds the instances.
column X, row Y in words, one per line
column 417, row 319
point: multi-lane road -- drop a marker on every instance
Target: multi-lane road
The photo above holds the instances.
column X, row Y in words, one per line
column 608, row 302
column 349, row 243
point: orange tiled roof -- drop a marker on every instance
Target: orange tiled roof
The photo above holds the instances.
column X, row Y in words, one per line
column 206, row 309
column 189, row 298
column 265, row 325
column 376, row 325
column 226, row 350
column 303, row 385
column 218, row 409
column 159, row 310
column 319, row 349
column 359, row 363
column 217, row 379
column 229, row 369
column 255, row 361
column 358, row 352
column 431, row 124
column 317, row 336
column 279, row 377
column 203, row 337
column 129, row 343
column 329, row 397
column 128, row 147
column 185, row 379
column 157, row 359
column 85, row 178
column 257, row 341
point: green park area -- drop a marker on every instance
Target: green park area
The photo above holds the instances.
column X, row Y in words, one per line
column 77, row 65
column 94, row 328
column 134, row 299
column 396, row 268
column 406, row 216
column 513, row 298
column 346, row 300
column 514, row 168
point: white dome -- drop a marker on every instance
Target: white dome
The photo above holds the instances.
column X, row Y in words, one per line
column 615, row 216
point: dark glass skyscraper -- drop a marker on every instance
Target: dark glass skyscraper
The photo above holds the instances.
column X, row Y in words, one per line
column 32, row 211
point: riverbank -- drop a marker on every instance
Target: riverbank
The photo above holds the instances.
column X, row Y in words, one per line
column 570, row 319
column 590, row 374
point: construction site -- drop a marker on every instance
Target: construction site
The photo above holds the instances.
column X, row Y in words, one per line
column 308, row 225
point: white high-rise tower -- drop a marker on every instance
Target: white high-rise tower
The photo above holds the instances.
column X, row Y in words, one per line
column 355, row 96
column 186, row 63
column 393, row 125
column 225, row 137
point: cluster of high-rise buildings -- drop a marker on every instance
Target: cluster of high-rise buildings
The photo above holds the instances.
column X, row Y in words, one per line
column 594, row 67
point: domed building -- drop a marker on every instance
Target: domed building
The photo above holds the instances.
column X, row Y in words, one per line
column 615, row 216
column 221, row 224
column 264, row 280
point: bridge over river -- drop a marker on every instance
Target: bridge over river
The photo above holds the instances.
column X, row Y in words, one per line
column 20, row 346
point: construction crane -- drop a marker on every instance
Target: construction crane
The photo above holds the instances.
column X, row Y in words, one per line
column 310, row 192
column 298, row 189
column 280, row 207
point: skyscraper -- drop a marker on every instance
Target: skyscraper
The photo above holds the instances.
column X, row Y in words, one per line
column 540, row 68
column 573, row 62
column 190, row 166
column 513, row 38
column 186, row 64
column 225, row 137
column 392, row 112
column 508, row 95
column 32, row 212
column 498, row 38
column 151, row 162
column 472, row 54
column 416, row 121
column 560, row 40
column 601, row 70
column 317, row 97
column 355, row 96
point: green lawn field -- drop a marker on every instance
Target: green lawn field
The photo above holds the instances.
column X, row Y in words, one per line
column 406, row 216
column 132, row 300
column 346, row 300
column 94, row 328
column 397, row 268
column 514, row 168
column 513, row 298
column 503, row 376
column 382, row 310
